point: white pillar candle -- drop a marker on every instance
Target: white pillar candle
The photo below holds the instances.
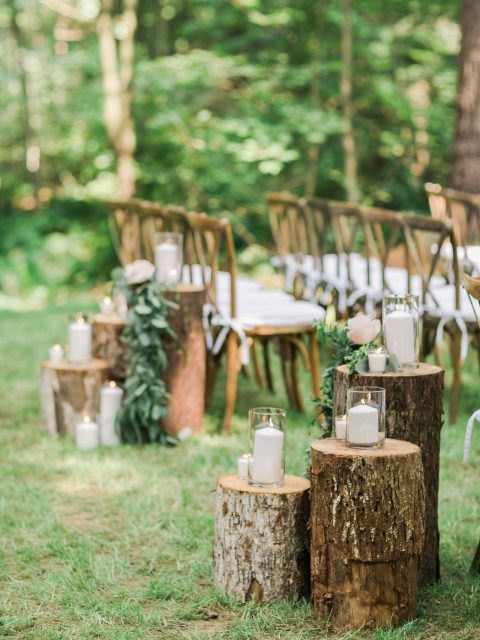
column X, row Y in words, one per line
column 341, row 427
column 110, row 401
column 377, row 361
column 166, row 262
column 80, row 342
column 362, row 424
column 243, row 465
column 122, row 306
column 400, row 336
column 107, row 306
column 56, row 354
column 267, row 455
column 86, row 434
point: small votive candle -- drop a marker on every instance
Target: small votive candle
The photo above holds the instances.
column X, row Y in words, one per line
column 243, row 463
column 377, row 360
column 56, row 354
column 86, row 434
column 107, row 306
column 341, row 427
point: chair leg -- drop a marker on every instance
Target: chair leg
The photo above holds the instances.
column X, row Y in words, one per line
column 267, row 365
column 455, row 351
column 232, row 381
column 210, row 379
column 315, row 365
column 285, row 356
column 297, row 396
column 475, row 567
column 259, row 377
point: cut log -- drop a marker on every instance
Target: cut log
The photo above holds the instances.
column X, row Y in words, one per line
column 186, row 370
column 107, row 344
column 70, row 391
column 261, row 549
column 414, row 412
column 367, row 519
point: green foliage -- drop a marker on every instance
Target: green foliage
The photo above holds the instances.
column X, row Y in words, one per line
column 147, row 330
column 341, row 350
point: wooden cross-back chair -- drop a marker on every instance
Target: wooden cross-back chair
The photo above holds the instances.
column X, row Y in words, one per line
column 463, row 209
column 208, row 251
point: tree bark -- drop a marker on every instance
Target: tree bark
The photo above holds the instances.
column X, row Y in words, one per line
column 70, row 391
column 107, row 345
column 367, row 521
column 410, row 417
column 466, row 146
column 261, row 549
column 348, row 138
column 185, row 374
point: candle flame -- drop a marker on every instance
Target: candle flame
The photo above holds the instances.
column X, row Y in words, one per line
column 362, row 401
column 112, row 384
column 379, row 350
column 56, row 347
column 107, row 300
column 86, row 418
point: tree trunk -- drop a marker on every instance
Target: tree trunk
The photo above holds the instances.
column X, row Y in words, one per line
column 69, row 392
column 410, row 417
column 466, row 145
column 348, row 138
column 117, row 73
column 185, row 374
column 314, row 150
column 107, row 345
column 367, row 521
column 261, row 549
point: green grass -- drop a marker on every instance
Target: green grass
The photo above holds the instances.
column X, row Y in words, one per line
column 117, row 544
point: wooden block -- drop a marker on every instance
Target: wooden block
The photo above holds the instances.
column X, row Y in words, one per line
column 367, row 519
column 414, row 412
column 261, row 548
column 69, row 391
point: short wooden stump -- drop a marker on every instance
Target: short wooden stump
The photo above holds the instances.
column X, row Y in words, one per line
column 261, row 548
column 367, row 519
column 107, row 344
column 415, row 413
column 70, row 391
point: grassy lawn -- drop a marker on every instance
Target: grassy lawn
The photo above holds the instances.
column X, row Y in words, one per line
column 118, row 543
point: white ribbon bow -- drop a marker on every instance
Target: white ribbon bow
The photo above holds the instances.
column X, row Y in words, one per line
column 468, row 434
column 460, row 322
column 213, row 318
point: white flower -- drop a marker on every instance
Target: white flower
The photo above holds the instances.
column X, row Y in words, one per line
column 138, row 271
column 363, row 329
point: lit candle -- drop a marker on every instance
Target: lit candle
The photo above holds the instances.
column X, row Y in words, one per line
column 80, row 341
column 110, row 401
column 166, row 262
column 400, row 336
column 122, row 306
column 377, row 360
column 56, row 354
column 243, row 465
column 341, row 427
column 86, row 434
column 267, row 455
column 107, row 306
column 362, row 424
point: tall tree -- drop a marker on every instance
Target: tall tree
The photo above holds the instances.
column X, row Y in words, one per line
column 466, row 147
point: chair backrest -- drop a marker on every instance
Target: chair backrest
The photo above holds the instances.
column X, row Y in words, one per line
column 463, row 209
column 289, row 225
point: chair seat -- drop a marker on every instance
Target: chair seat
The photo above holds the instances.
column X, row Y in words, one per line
column 444, row 304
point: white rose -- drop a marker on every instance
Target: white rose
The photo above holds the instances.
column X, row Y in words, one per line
column 138, row 271
column 363, row 329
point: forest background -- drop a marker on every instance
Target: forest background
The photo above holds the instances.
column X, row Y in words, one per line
column 210, row 104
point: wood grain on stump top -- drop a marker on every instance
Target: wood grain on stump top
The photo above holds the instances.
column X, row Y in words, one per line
column 110, row 319
column 391, row 447
column 95, row 364
column 423, row 369
column 292, row 484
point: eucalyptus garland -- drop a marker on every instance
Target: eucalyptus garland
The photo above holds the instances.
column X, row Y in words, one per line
column 146, row 397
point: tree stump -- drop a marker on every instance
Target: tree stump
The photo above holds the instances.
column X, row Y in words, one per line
column 186, row 369
column 414, row 412
column 107, row 332
column 367, row 520
column 68, row 392
column 261, row 549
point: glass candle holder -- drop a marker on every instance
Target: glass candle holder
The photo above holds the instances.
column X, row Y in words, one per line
column 339, row 427
column 267, row 446
column 377, row 360
column 401, row 328
column 168, row 257
column 365, row 417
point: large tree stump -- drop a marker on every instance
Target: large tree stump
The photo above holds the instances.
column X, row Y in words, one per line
column 107, row 344
column 186, row 370
column 70, row 391
column 414, row 402
column 261, row 549
column 367, row 519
